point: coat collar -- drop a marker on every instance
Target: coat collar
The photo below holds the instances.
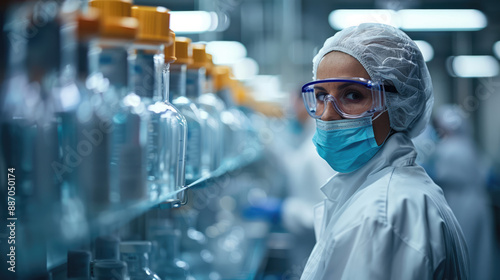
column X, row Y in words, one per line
column 398, row 150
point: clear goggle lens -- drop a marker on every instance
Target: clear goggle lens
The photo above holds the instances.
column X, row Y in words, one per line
column 351, row 98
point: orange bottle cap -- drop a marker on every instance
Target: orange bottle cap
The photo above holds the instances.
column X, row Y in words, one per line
column 170, row 50
column 199, row 56
column 154, row 24
column 183, row 50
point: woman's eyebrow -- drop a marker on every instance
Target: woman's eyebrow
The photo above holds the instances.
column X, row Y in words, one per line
column 340, row 87
column 319, row 88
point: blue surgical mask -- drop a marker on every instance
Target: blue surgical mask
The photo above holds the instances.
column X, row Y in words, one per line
column 346, row 144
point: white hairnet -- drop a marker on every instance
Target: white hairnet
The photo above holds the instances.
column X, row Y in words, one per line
column 389, row 56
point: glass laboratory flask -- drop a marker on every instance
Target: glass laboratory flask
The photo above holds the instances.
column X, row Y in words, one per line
column 146, row 77
column 195, row 85
column 129, row 129
column 177, row 135
column 84, row 137
column 211, row 103
column 188, row 109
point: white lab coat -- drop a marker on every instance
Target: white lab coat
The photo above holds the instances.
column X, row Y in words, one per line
column 387, row 220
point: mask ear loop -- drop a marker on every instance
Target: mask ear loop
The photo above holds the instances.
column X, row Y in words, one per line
column 381, row 112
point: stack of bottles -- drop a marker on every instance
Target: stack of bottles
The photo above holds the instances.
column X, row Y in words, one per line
column 119, row 111
column 107, row 108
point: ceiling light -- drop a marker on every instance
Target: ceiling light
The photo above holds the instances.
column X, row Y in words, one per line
column 426, row 49
column 441, row 20
column 473, row 66
column 340, row 19
column 412, row 19
column 496, row 49
column 245, row 69
column 226, row 52
column 193, row 22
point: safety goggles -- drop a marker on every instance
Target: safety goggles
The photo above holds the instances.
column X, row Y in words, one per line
column 350, row 97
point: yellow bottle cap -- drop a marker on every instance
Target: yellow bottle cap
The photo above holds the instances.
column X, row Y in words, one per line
column 115, row 18
column 199, row 56
column 154, row 24
column 170, row 50
column 210, row 64
column 183, row 50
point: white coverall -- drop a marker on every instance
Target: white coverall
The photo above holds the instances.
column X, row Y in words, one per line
column 387, row 220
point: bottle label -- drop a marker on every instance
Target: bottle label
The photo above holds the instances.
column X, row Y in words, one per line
column 113, row 66
column 144, row 74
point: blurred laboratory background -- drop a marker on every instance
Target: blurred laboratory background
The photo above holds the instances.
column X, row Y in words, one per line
column 167, row 139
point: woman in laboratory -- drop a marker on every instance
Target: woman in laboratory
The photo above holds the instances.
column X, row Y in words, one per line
column 383, row 217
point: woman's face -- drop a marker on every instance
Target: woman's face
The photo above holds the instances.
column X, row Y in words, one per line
column 340, row 65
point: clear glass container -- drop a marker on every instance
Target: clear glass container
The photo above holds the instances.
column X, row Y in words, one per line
column 129, row 129
column 29, row 133
column 194, row 120
column 214, row 106
column 175, row 158
column 234, row 127
column 146, row 78
column 135, row 254
column 83, row 128
column 195, row 83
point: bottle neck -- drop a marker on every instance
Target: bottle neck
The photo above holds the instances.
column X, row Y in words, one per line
column 44, row 51
column 87, row 59
column 146, row 73
column 209, row 84
column 69, row 53
column 226, row 96
column 195, row 81
column 166, row 82
column 177, row 83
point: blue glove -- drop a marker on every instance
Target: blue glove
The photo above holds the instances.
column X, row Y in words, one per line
column 268, row 209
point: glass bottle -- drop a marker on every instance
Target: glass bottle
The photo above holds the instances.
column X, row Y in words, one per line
column 215, row 106
column 230, row 117
column 28, row 130
column 131, row 119
column 188, row 109
column 195, row 84
column 177, row 135
column 146, row 79
column 135, row 254
column 84, row 144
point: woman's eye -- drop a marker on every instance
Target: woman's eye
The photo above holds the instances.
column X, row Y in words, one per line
column 320, row 96
column 353, row 96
